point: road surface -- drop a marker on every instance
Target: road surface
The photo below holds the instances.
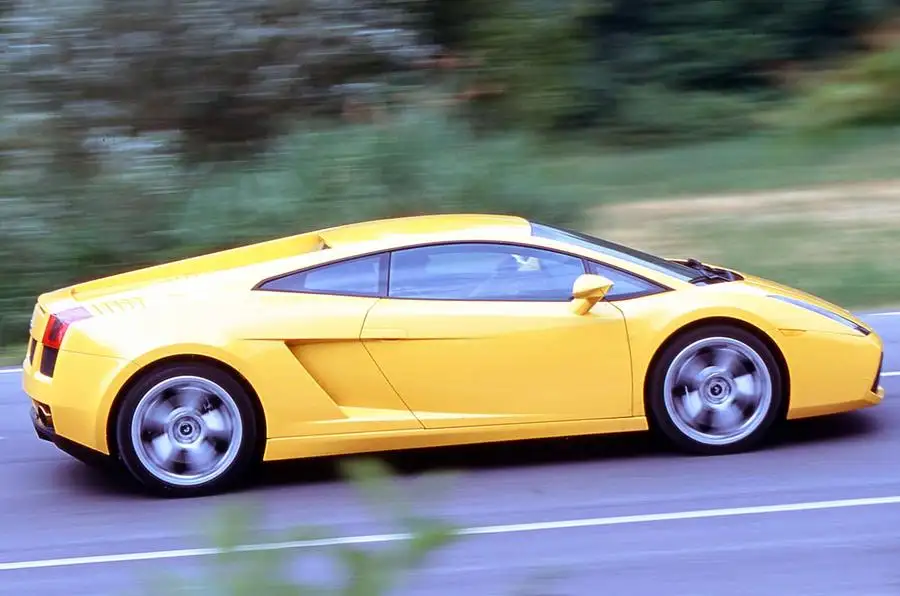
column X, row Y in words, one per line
column 594, row 516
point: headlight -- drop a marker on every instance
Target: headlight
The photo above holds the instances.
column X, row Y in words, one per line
column 822, row 311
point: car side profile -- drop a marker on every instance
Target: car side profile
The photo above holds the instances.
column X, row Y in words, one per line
column 427, row 331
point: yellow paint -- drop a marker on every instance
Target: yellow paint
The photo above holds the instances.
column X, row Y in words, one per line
column 293, row 448
column 78, row 394
column 350, row 374
column 587, row 291
column 488, row 363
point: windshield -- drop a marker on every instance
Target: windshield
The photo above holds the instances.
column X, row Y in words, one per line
column 677, row 270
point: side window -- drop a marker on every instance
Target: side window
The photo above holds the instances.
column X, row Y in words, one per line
column 624, row 284
column 362, row 276
column 482, row 271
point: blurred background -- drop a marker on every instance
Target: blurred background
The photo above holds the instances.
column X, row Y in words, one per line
column 759, row 134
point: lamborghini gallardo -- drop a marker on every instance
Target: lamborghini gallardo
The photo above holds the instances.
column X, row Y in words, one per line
column 427, row 331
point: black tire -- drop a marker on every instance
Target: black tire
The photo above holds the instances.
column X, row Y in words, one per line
column 671, row 418
column 190, row 428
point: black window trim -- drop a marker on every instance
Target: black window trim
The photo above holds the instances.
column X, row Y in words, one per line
column 655, row 287
column 387, row 258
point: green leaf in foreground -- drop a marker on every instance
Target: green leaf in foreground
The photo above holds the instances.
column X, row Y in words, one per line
column 252, row 562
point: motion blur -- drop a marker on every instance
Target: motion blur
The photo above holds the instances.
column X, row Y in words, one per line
column 758, row 135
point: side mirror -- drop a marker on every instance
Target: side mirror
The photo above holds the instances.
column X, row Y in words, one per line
column 587, row 291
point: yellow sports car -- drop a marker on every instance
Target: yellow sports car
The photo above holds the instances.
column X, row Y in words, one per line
column 425, row 331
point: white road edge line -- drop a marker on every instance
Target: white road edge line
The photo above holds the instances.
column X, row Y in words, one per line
column 472, row 531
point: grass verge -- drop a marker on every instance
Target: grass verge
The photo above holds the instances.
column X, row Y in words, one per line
column 763, row 162
column 838, row 242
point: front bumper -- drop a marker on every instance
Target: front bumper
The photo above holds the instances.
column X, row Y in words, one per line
column 833, row 373
column 867, row 400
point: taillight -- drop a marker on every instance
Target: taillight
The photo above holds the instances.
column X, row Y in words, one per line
column 59, row 323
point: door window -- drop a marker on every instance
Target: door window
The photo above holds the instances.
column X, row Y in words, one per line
column 483, row 271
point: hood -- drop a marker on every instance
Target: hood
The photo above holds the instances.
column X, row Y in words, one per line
column 767, row 286
column 764, row 286
column 773, row 287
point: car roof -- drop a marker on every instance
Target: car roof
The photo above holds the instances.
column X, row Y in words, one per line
column 374, row 236
column 423, row 227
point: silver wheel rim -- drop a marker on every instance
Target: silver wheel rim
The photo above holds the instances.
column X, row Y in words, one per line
column 718, row 391
column 186, row 431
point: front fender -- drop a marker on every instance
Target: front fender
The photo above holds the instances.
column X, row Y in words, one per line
column 654, row 320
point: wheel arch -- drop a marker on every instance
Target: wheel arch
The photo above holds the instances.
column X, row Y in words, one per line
column 764, row 337
column 173, row 360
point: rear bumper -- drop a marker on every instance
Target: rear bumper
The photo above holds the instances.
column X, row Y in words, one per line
column 72, row 406
column 42, row 420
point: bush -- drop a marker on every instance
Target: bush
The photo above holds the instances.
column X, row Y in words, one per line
column 213, row 76
column 529, row 53
column 664, row 71
column 416, row 162
column 863, row 93
column 653, row 115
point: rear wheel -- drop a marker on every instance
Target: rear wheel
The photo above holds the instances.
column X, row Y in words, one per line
column 187, row 430
column 715, row 390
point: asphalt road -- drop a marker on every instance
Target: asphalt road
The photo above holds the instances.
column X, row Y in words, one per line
column 631, row 498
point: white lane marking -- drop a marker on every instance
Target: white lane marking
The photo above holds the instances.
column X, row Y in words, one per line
column 895, row 313
column 472, row 531
column 891, row 374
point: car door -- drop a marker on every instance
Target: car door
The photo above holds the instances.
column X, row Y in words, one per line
column 318, row 313
column 475, row 334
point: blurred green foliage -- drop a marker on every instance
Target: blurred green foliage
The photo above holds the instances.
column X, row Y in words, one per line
column 863, row 92
column 650, row 71
column 213, row 80
column 250, row 562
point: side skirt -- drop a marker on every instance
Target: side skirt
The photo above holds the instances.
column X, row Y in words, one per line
column 353, row 443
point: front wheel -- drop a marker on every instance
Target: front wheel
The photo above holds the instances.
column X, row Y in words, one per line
column 187, row 430
column 716, row 390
